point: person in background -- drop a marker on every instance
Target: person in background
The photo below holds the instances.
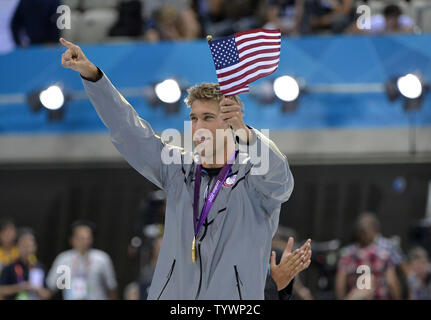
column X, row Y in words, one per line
column 419, row 278
column 92, row 272
column 221, row 18
column 365, row 252
column 148, row 269
column 7, row 11
column 35, row 22
column 8, row 250
column 284, row 15
column 396, row 255
column 392, row 20
column 327, row 15
column 130, row 22
column 149, row 222
column 171, row 23
column 24, row 279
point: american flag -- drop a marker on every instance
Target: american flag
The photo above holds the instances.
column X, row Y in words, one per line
column 244, row 57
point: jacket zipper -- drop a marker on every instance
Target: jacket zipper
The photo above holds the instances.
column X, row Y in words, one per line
column 167, row 281
column 200, row 271
column 199, row 250
column 238, row 282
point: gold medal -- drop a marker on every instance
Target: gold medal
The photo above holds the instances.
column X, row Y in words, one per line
column 194, row 250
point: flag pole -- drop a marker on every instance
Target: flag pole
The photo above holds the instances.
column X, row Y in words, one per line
column 209, row 37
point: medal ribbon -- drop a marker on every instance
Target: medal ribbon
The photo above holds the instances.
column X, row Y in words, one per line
column 211, row 196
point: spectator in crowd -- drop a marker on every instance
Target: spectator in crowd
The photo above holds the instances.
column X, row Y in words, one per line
column 149, row 223
column 365, row 252
column 396, row 255
column 7, row 10
column 221, row 17
column 91, row 270
column 24, row 279
column 146, row 240
column 149, row 7
column 327, row 15
column 173, row 24
column 419, row 278
column 35, row 22
column 284, row 15
column 8, row 250
column 130, row 22
column 147, row 271
column 392, row 20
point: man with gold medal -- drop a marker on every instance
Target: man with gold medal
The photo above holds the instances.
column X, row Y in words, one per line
column 222, row 200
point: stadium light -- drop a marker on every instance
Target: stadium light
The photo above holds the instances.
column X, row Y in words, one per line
column 168, row 91
column 286, row 88
column 410, row 87
column 52, row 99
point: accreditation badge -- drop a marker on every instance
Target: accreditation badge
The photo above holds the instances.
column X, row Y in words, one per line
column 78, row 289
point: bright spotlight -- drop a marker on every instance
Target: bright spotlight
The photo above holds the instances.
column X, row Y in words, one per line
column 52, row 98
column 410, row 86
column 168, row 91
column 286, row 88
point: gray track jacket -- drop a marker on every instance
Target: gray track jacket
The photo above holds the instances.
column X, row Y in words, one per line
column 233, row 246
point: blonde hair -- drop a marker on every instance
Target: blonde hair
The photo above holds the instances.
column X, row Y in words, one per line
column 207, row 91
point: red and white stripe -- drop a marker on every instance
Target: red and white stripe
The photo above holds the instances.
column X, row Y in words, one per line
column 259, row 53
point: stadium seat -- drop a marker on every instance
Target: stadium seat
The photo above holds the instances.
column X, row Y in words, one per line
column 425, row 20
column 94, row 4
column 97, row 23
column 422, row 14
column 72, row 4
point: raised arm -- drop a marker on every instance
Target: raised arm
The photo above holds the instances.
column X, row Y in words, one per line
column 132, row 136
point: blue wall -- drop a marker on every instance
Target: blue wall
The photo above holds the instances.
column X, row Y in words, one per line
column 323, row 59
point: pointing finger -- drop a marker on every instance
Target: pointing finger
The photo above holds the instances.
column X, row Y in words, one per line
column 66, row 43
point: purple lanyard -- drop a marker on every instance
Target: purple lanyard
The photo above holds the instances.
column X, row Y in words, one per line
column 211, row 196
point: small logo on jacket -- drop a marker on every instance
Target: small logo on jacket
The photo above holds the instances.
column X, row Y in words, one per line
column 229, row 182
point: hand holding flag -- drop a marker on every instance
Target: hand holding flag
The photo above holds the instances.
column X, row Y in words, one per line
column 244, row 57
